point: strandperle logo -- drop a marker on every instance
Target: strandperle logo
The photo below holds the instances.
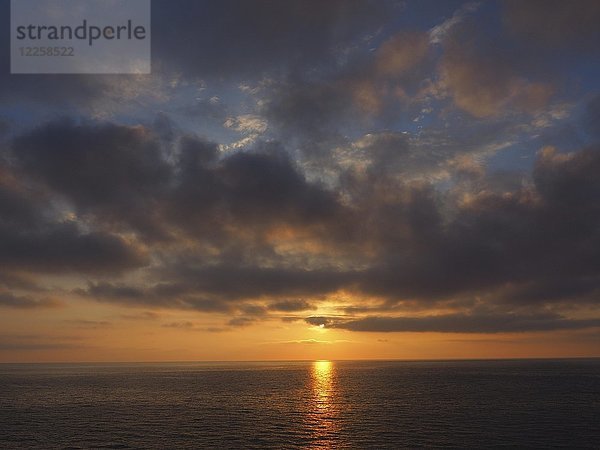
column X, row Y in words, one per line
column 80, row 36
column 85, row 32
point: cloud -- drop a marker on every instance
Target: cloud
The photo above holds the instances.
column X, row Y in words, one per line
column 554, row 23
column 459, row 323
column 484, row 82
column 9, row 300
column 591, row 120
column 241, row 321
column 438, row 33
column 316, row 154
column 256, row 190
column 63, row 248
column 401, row 53
column 233, row 39
column 219, row 288
column 20, row 281
column 291, row 305
column 417, row 247
column 34, row 237
column 113, row 172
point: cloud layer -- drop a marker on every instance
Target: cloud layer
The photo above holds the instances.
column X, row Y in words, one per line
column 318, row 162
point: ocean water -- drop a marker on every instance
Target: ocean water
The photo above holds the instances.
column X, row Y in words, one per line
column 374, row 404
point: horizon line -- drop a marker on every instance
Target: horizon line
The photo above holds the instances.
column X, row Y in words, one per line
column 308, row 360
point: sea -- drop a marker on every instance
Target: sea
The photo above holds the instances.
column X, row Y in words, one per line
column 302, row 404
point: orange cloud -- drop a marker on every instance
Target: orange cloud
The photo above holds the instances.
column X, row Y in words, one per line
column 401, row 53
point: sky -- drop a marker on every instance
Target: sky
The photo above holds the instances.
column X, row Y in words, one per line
column 302, row 179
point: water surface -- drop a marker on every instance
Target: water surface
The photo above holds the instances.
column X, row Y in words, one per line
column 374, row 404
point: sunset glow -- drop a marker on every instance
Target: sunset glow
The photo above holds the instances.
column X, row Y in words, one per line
column 325, row 180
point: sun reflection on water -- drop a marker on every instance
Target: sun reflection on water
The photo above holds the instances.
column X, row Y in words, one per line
column 322, row 381
column 324, row 414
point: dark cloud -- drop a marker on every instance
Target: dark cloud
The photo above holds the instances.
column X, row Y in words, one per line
column 249, row 38
column 63, row 248
column 9, row 300
column 253, row 191
column 5, row 126
column 554, row 23
column 220, row 288
column 32, row 239
column 458, row 323
column 291, row 305
column 370, row 177
column 507, row 247
column 234, row 282
column 487, row 78
column 114, row 172
column 309, row 112
column 241, row 321
column 591, row 121
column 12, row 280
column 532, row 235
column 194, row 40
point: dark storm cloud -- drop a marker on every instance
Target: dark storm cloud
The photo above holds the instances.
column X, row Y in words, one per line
column 31, row 239
column 92, row 164
column 397, row 222
column 249, row 190
column 234, row 282
column 309, row 110
column 124, row 180
column 119, row 177
column 424, row 246
column 63, row 248
column 161, row 295
column 237, row 38
column 166, row 295
column 429, row 247
column 111, row 171
column 585, row 289
column 223, row 289
column 458, row 323
column 532, row 235
column 211, row 40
